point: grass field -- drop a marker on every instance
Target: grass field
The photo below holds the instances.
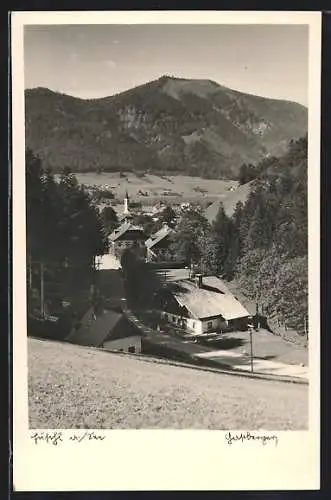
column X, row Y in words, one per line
column 230, row 201
column 75, row 387
column 176, row 187
column 266, row 346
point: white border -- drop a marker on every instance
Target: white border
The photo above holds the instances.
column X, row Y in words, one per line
column 162, row 459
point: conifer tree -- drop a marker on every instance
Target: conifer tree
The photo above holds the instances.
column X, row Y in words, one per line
column 188, row 241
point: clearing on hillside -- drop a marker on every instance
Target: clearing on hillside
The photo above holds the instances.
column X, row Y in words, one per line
column 155, row 186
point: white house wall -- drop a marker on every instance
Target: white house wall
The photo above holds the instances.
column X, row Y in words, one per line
column 214, row 324
column 196, row 326
column 192, row 325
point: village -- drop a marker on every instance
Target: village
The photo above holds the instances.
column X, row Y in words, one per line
column 165, row 250
column 146, row 302
column 166, row 243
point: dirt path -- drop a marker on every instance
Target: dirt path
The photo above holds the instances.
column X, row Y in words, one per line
column 239, row 362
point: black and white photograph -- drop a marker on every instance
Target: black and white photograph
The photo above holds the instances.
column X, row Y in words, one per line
column 167, row 252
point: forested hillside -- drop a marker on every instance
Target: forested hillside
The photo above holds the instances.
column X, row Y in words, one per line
column 170, row 125
column 263, row 246
column 273, row 236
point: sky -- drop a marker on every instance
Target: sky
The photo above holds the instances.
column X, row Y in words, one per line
column 100, row 60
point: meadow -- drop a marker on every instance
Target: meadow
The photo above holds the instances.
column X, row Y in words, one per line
column 101, row 390
column 154, row 187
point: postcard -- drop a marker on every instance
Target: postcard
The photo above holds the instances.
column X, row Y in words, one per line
column 166, row 308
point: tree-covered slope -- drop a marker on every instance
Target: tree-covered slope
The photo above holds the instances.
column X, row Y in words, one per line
column 273, row 233
column 264, row 244
column 170, row 125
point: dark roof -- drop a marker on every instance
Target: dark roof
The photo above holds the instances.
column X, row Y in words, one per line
column 94, row 332
column 158, row 236
column 216, row 284
column 126, row 228
column 127, row 217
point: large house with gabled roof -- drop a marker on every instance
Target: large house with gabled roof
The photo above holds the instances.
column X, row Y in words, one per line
column 128, row 236
column 201, row 305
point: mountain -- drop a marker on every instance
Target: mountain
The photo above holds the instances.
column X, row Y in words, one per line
column 170, row 125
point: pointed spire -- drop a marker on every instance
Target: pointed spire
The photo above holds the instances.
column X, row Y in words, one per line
column 126, row 203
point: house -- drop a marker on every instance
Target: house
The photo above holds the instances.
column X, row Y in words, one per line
column 128, row 236
column 200, row 305
column 158, row 244
column 108, row 329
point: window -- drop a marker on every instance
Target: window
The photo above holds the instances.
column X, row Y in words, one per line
column 174, row 319
column 132, row 349
column 193, row 324
column 209, row 325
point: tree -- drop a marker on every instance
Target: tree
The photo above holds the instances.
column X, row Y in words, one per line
column 168, row 216
column 238, row 223
column 260, row 230
column 221, row 250
column 187, row 242
column 127, row 259
column 109, row 219
column 247, row 172
column 81, row 222
column 273, row 232
column 233, row 254
column 34, row 205
column 63, row 227
column 147, row 223
column 209, row 259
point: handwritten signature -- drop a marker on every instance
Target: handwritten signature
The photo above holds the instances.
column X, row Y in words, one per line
column 57, row 437
column 248, row 436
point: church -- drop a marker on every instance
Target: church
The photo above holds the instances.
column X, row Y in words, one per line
column 126, row 215
column 127, row 235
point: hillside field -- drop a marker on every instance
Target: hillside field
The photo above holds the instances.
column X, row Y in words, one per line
column 179, row 188
column 76, row 387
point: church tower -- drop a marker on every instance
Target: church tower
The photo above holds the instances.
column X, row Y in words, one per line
column 126, row 204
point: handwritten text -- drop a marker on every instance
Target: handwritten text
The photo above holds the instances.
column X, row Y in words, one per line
column 248, row 436
column 57, row 437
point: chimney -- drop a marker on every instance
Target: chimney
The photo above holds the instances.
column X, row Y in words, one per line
column 198, row 278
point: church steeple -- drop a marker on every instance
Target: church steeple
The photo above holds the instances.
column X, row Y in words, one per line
column 126, row 203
